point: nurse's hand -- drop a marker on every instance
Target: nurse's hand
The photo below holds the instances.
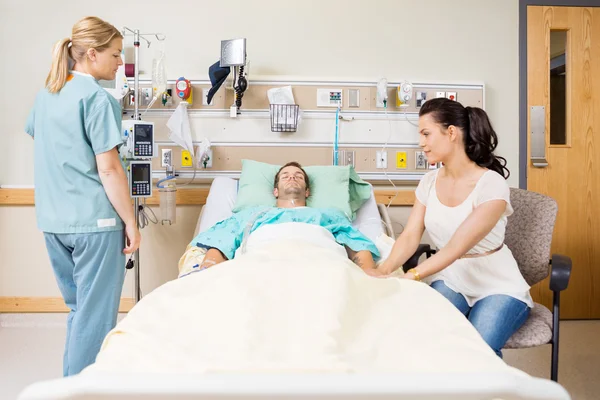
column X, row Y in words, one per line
column 133, row 239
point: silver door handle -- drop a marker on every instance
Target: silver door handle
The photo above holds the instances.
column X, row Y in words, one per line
column 538, row 136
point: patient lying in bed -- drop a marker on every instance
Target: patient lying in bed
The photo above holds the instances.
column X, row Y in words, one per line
column 291, row 188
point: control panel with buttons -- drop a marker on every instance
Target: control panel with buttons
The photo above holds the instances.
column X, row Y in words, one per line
column 143, row 140
column 140, row 179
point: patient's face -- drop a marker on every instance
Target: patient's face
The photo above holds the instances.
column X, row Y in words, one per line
column 291, row 183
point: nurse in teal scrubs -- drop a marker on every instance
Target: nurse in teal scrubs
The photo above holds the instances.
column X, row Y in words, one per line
column 81, row 192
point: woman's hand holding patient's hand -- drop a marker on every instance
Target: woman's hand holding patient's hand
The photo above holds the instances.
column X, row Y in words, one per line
column 376, row 272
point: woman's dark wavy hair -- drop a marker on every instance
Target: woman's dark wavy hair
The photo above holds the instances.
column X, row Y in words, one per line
column 480, row 139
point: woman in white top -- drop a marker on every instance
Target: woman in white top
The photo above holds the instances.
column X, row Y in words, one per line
column 464, row 207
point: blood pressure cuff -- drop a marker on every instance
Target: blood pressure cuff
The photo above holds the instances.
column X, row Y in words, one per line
column 217, row 75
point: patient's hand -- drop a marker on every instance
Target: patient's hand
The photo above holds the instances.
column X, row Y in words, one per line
column 212, row 257
column 376, row 272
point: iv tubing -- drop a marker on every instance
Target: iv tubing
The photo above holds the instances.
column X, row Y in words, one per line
column 164, row 180
column 335, row 144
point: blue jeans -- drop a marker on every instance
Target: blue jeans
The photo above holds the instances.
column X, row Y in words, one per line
column 495, row 317
column 90, row 270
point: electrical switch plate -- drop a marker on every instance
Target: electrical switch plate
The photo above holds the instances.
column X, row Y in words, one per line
column 440, row 94
column 401, row 160
column 205, row 97
column 353, row 98
column 167, row 158
column 382, row 159
column 451, row 95
column 420, row 98
column 420, row 160
column 186, row 159
column 329, row 97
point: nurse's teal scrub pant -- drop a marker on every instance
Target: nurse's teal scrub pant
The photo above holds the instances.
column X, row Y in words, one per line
column 90, row 270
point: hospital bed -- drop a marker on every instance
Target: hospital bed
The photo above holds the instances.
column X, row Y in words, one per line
column 413, row 380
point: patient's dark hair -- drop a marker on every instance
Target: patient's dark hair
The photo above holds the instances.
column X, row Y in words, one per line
column 479, row 137
column 291, row 164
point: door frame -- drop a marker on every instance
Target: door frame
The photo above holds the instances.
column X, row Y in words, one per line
column 523, row 150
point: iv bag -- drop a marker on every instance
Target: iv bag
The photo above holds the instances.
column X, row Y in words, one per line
column 159, row 78
column 159, row 74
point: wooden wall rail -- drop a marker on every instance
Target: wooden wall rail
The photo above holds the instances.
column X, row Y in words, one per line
column 197, row 196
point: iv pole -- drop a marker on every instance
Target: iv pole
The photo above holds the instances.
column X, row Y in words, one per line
column 136, row 116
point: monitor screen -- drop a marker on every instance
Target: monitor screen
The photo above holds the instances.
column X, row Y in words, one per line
column 140, row 172
column 142, row 132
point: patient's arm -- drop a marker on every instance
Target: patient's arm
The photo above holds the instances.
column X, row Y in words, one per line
column 213, row 257
column 363, row 258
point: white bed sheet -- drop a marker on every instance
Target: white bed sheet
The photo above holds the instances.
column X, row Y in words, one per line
column 268, row 325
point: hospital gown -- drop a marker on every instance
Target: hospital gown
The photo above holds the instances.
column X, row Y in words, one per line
column 228, row 234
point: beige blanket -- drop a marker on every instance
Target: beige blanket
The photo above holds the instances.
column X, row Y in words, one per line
column 294, row 307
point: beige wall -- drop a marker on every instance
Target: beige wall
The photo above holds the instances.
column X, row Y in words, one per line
column 433, row 40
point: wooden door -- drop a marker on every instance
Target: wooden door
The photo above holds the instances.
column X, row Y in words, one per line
column 563, row 88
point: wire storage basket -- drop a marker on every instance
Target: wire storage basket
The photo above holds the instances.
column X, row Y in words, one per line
column 284, row 117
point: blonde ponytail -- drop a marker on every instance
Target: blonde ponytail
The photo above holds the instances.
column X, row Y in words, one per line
column 60, row 66
column 88, row 33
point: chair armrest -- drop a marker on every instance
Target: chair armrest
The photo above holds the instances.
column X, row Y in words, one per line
column 560, row 272
column 413, row 261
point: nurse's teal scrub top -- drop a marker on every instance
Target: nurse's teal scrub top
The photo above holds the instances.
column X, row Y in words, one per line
column 69, row 129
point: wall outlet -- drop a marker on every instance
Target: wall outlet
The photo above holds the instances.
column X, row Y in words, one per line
column 382, row 159
column 440, row 94
column 167, row 158
column 420, row 160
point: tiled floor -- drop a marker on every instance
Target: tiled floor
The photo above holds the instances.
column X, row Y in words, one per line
column 31, row 350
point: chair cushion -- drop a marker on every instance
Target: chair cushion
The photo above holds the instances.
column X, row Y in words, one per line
column 537, row 330
column 529, row 232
